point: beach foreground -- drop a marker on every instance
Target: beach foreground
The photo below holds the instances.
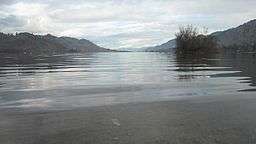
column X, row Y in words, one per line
column 228, row 119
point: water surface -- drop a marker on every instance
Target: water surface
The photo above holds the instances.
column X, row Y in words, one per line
column 95, row 79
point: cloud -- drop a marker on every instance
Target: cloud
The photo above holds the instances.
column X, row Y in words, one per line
column 11, row 21
column 121, row 23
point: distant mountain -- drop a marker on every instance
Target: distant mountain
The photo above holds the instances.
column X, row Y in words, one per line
column 166, row 47
column 132, row 49
column 45, row 44
column 242, row 38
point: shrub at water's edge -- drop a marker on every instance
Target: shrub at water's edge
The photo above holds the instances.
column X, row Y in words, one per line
column 189, row 41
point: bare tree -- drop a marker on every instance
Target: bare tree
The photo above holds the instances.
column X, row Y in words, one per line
column 190, row 40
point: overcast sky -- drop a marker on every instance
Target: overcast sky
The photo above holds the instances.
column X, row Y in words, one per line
column 121, row 23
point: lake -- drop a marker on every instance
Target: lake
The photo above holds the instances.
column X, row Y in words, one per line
column 95, row 79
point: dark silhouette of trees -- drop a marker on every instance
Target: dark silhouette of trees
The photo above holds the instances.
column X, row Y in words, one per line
column 29, row 44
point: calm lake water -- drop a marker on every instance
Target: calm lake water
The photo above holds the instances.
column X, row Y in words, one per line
column 95, row 79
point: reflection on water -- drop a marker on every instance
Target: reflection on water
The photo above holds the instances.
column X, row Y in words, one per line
column 245, row 64
column 75, row 80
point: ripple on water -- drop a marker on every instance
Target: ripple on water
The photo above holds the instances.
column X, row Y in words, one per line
column 110, row 78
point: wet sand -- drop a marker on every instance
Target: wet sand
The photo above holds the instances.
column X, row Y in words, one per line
column 214, row 120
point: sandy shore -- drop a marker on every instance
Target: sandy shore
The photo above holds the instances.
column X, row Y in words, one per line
column 212, row 120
